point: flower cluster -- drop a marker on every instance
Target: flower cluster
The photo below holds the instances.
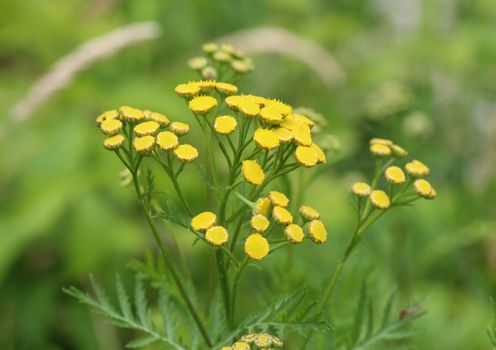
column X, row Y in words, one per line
column 218, row 58
column 254, row 341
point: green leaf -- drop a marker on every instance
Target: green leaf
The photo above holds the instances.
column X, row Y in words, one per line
column 123, row 299
column 141, row 342
column 140, row 302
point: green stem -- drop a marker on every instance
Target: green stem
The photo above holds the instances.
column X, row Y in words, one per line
column 235, row 289
column 224, row 283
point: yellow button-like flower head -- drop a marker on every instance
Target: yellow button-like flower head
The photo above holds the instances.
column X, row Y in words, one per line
column 284, row 135
column 225, row 125
column 256, row 247
column 282, row 216
column 302, row 135
column 266, row 139
column 146, row 128
column 252, row 172
column 111, row 126
column 291, row 123
column 398, row 151
column 417, row 169
column 222, row 56
column 112, row 114
column 310, row 123
column 186, row 153
column 262, row 206
column 205, row 85
column 226, row 88
column 380, row 141
column 423, row 188
column 394, row 175
column 321, row 157
column 159, row 118
column 271, row 115
column 278, row 199
column 306, row 156
column 380, row 150
column 259, row 223
column 167, row 140
column 203, row 221
column 187, row 90
column 179, row 128
column 197, row 63
column 380, row 199
column 233, row 101
column 210, row 47
column 263, row 340
column 282, row 107
column 131, row 114
column 202, row 104
column 248, row 338
column 113, row 142
column 294, row 233
column 361, row 189
column 216, row 235
column 277, row 342
column 143, row 144
column 317, row 231
column 248, row 108
column 309, row 213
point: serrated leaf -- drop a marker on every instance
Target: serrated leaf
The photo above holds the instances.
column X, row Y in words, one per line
column 123, row 298
column 141, row 342
column 140, row 302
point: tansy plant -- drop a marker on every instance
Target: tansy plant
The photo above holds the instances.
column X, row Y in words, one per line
column 248, row 217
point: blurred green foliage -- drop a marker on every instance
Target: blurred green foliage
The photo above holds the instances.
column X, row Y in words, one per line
column 420, row 72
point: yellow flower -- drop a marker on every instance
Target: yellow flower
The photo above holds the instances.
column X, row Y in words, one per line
column 203, row 221
column 131, row 114
column 240, row 66
column 210, row 47
column 226, row 88
column 291, row 123
column 167, row 140
column 187, row 90
column 304, row 120
column 321, row 157
column 309, row 213
column 159, row 118
column 197, row 63
column 306, row 156
column 248, row 338
column 379, row 141
column 252, row 172
column 433, row 194
column 398, row 151
column 186, row 153
column 248, row 108
column 284, row 135
column 256, row 247
column 216, row 235
column 361, row 189
column 228, row 48
column 226, row 348
column 271, row 115
column 259, row 223
column 262, row 206
column 423, row 188
column 380, row 150
column 294, row 233
column 111, row 126
column 278, row 199
column 205, row 85
column 225, row 125
column 317, row 231
column 278, row 343
column 302, row 135
column 282, row 107
column 263, row 340
column 179, row 128
column 266, row 139
column 112, row 114
column 417, row 169
column 380, row 199
column 202, row 104
column 146, row 128
column 240, row 345
column 282, row 216
column 143, row 144
column 259, row 100
column 222, row 56
column 113, row 142
column 394, row 175
column 233, row 101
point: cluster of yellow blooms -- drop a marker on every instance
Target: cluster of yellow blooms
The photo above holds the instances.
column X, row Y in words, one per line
column 253, row 341
column 217, row 58
column 147, row 131
column 394, row 175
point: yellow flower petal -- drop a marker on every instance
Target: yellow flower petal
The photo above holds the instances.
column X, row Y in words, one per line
column 321, row 157
column 361, row 189
column 282, row 215
column 306, row 156
column 186, row 153
column 423, row 188
column 143, row 144
column 146, row 128
column 309, row 213
column 271, row 115
column 256, row 247
column 303, row 119
column 179, row 128
column 317, row 231
column 294, row 233
column 394, row 175
column 278, row 199
column 266, row 139
column 167, row 140
column 284, row 135
column 226, row 88
column 262, row 206
column 216, row 235
column 113, row 142
column 380, row 150
column 188, row 90
column 131, row 114
column 380, row 199
column 252, row 172
column 225, row 125
column 203, row 221
column 302, row 135
column 111, row 126
column 159, row 118
column 202, row 104
column 112, row 114
column 417, row 169
column 259, row 223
